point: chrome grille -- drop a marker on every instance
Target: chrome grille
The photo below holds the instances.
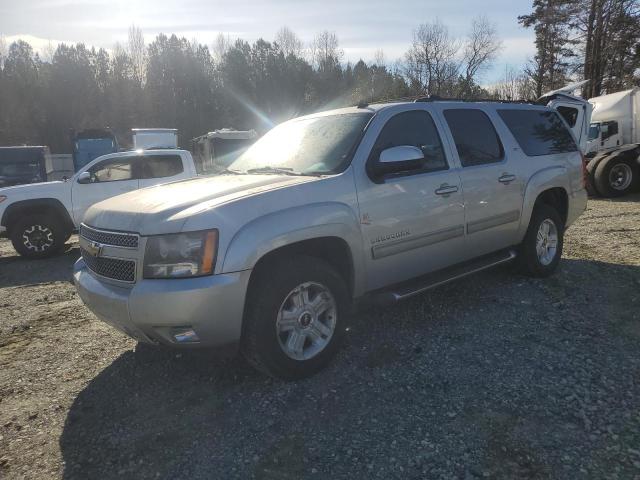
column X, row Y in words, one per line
column 114, row 268
column 117, row 239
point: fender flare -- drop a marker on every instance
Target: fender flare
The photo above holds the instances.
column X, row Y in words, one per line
column 285, row 227
column 551, row 177
column 38, row 205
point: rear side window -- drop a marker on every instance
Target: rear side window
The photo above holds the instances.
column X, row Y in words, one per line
column 160, row 166
column 414, row 128
column 475, row 137
column 538, row 132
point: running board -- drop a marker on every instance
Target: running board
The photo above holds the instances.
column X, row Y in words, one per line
column 416, row 286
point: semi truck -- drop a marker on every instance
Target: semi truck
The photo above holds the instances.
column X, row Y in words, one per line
column 613, row 146
column 215, row 151
column 89, row 144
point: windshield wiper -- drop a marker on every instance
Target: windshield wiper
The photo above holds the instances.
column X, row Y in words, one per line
column 230, row 172
column 278, row 170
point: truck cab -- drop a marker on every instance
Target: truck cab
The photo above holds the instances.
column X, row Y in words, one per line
column 91, row 144
column 24, row 164
column 602, row 136
column 215, row 151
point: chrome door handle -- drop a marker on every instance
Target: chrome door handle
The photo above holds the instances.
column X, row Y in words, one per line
column 446, row 189
column 506, row 178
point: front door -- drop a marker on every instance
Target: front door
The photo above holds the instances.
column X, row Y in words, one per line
column 412, row 222
column 108, row 178
column 492, row 182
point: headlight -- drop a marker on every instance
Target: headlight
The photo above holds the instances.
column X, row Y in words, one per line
column 181, row 255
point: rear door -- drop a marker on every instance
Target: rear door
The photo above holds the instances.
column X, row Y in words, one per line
column 491, row 180
column 108, row 178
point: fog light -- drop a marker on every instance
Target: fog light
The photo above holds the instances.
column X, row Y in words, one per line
column 185, row 335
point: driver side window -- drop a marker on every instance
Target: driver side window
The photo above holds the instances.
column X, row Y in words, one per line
column 414, row 128
column 113, row 170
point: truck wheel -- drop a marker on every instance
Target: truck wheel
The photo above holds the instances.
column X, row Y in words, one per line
column 295, row 317
column 541, row 249
column 616, row 176
column 37, row 236
column 591, row 172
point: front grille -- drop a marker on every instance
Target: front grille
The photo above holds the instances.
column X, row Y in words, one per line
column 123, row 270
column 116, row 239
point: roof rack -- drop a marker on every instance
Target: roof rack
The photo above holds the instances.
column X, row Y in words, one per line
column 436, row 98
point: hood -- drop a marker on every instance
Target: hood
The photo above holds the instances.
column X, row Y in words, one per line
column 165, row 208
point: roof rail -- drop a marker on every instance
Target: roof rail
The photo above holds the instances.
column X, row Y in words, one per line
column 436, row 98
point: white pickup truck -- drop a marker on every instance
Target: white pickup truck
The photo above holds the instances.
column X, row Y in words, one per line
column 39, row 218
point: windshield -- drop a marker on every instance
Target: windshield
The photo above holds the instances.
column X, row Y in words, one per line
column 315, row 145
column 594, row 131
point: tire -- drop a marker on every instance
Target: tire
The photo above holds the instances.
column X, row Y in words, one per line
column 530, row 260
column 616, row 176
column 38, row 236
column 274, row 292
column 591, row 172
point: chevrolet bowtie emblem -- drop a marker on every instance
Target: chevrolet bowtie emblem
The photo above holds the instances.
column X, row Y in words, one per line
column 94, row 249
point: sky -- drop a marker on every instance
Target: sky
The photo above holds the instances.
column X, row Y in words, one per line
column 362, row 26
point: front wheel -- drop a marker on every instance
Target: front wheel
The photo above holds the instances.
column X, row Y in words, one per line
column 541, row 248
column 295, row 317
column 37, row 236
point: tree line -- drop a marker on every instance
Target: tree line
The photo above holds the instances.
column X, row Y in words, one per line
column 180, row 83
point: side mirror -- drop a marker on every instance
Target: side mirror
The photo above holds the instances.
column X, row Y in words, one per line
column 84, row 177
column 403, row 158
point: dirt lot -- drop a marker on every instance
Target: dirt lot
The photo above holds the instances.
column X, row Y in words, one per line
column 495, row 376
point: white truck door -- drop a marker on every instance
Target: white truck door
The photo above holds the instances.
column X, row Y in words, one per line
column 158, row 168
column 106, row 179
column 575, row 110
column 577, row 113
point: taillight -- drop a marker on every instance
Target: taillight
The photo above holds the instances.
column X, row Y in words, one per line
column 585, row 173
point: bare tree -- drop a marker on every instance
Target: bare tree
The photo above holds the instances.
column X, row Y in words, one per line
column 3, row 50
column 138, row 53
column 432, row 66
column 325, row 50
column 288, row 42
column 480, row 49
column 378, row 58
column 514, row 85
column 47, row 52
column 221, row 45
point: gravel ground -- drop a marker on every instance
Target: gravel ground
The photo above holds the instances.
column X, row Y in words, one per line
column 495, row 376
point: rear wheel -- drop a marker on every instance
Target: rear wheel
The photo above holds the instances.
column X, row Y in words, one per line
column 38, row 236
column 541, row 248
column 295, row 317
column 616, row 176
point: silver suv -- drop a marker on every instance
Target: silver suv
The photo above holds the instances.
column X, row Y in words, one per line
column 375, row 202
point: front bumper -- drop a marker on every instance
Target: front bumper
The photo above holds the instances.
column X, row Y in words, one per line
column 152, row 310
